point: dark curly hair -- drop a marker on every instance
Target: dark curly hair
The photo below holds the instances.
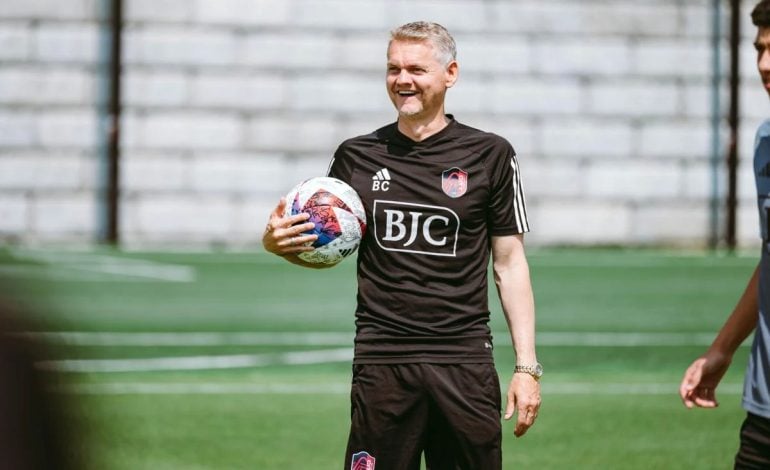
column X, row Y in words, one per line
column 760, row 15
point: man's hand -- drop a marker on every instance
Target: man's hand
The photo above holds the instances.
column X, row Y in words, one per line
column 698, row 387
column 524, row 398
column 283, row 235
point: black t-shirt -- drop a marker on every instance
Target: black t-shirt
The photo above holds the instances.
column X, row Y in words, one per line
column 431, row 208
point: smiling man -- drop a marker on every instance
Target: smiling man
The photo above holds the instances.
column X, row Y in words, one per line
column 441, row 198
column 752, row 312
column 418, row 76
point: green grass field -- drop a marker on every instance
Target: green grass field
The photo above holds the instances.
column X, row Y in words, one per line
column 240, row 361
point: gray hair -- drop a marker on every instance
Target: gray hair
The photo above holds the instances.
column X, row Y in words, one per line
column 446, row 50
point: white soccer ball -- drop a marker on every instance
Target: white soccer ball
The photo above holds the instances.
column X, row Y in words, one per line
column 338, row 214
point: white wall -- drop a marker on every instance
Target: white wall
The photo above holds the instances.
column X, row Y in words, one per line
column 228, row 103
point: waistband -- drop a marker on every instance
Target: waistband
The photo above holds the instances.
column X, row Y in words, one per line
column 380, row 349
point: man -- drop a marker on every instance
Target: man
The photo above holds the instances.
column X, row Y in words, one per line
column 753, row 309
column 423, row 374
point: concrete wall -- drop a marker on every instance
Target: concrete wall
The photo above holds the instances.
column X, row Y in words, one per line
column 228, row 103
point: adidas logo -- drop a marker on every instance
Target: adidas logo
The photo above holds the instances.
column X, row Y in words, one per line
column 381, row 180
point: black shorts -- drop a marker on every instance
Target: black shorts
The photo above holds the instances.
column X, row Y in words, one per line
column 449, row 412
column 754, row 453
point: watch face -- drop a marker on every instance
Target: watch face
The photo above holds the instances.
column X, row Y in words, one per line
column 538, row 370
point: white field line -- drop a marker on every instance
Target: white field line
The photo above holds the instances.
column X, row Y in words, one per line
column 546, row 338
column 624, row 339
column 52, row 273
column 196, row 339
column 140, row 269
column 112, row 266
column 640, row 260
column 150, row 388
column 235, row 361
column 583, row 388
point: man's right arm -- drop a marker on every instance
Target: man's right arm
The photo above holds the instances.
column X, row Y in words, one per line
column 704, row 374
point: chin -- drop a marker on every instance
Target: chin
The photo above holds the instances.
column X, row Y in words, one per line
column 409, row 112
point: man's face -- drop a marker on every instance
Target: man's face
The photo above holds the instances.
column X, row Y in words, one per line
column 762, row 44
column 416, row 80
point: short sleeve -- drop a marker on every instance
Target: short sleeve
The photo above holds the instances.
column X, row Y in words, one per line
column 341, row 165
column 508, row 211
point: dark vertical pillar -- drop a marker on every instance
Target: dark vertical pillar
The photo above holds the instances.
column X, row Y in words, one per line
column 112, row 233
column 733, row 122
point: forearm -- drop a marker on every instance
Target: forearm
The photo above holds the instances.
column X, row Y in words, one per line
column 515, row 291
column 741, row 322
column 294, row 259
column 519, row 308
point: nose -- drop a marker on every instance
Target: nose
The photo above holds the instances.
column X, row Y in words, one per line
column 763, row 61
column 403, row 77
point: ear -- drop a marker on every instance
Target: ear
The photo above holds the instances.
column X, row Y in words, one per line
column 452, row 73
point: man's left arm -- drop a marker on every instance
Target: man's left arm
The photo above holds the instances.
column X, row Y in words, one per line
column 512, row 279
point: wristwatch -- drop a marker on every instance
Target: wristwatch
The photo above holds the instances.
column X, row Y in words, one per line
column 535, row 371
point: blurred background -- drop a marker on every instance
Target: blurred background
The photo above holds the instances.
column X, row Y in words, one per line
column 143, row 144
column 618, row 111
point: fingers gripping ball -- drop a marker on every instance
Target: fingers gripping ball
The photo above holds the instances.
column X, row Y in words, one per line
column 338, row 215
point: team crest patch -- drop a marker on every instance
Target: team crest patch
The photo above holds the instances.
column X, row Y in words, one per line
column 362, row 461
column 454, row 182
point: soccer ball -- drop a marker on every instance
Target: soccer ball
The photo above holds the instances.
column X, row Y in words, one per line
column 338, row 215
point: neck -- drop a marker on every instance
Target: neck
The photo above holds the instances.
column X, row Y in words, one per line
column 420, row 129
